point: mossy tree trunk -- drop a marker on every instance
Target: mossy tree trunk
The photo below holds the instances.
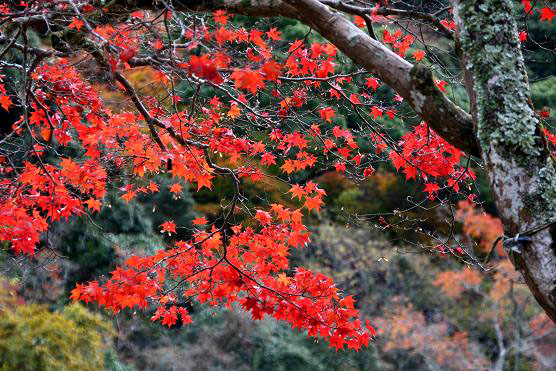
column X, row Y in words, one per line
column 520, row 169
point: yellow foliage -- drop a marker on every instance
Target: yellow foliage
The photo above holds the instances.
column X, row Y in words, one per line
column 8, row 294
column 145, row 80
column 34, row 338
column 384, row 180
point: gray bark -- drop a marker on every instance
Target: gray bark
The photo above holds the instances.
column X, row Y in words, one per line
column 520, row 169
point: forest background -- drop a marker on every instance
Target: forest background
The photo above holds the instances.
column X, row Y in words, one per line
column 430, row 311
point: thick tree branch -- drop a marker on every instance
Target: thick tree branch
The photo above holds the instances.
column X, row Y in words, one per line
column 413, row 83
column 385, row 11
column 254, row 8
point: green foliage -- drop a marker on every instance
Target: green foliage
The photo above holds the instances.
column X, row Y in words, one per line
column 543, row 92
column 94, row 245
column 162, row 206
column 33, row 338
column 350, row 203
column 220, row 339
column 113, row 363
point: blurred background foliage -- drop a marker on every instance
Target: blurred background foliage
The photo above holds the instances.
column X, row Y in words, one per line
column 32, row 337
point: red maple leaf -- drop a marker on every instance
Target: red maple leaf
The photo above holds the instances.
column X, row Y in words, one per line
column 220, row 17
column 547, row 14
column 297, row 191
column 271, row 70
column 76, row 24
column 176, row 188
column 274, row 34
column 263, row 217
column 248, row 79
column 200, row 221
column 431, row 188
column 168, row 226
column 313, row 203
column 5, row 102
column 372, row 83
column 327, row 113
column 419, row 55
column 93, row 204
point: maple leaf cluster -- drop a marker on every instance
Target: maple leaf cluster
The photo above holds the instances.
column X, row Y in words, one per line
column 546, row 13
column 249, row 269
column 426, row 154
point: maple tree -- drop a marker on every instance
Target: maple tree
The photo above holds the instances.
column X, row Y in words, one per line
column 239, row 102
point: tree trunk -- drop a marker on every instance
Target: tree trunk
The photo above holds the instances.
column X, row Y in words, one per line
column 520, row 169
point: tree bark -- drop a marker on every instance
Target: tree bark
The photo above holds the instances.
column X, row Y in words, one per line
column 521, row 171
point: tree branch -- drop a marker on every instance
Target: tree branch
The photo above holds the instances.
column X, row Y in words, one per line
column 385, row 11
column 413, row 83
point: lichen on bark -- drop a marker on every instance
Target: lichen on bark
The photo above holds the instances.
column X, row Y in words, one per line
column 520, row 170
column 506, row 121
column 490, row 41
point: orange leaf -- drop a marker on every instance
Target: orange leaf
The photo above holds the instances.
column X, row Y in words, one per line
column 168, row 226
column 200, row 221
column 93, row 204
column 5, row 102
column 297, row 191
column 248, row 79
column 313, row 203
column 176, row 188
